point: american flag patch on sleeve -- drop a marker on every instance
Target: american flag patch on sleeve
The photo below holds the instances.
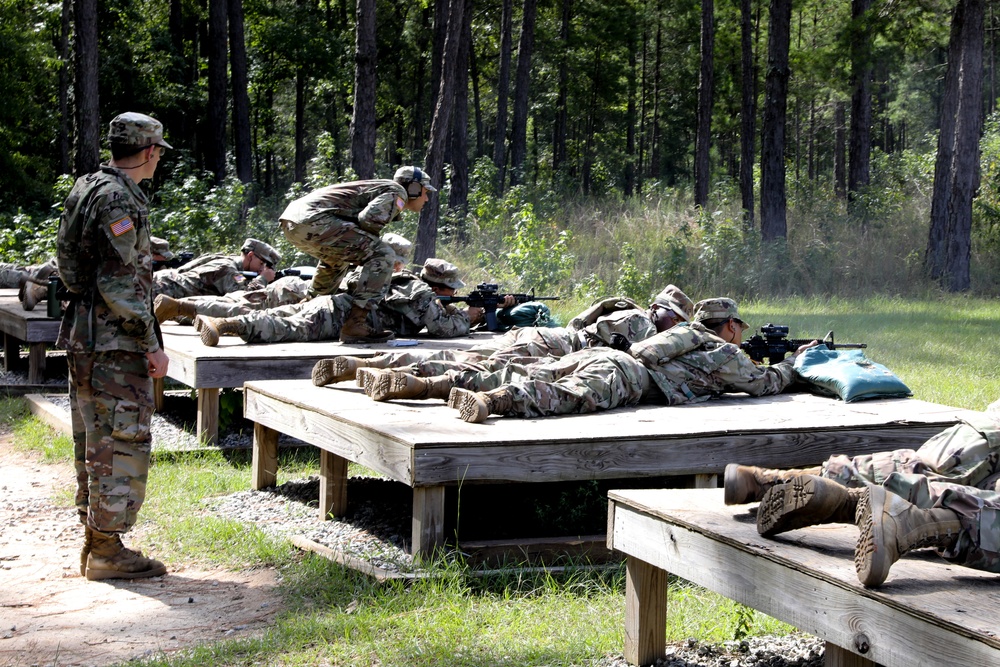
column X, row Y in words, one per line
column 122, row 226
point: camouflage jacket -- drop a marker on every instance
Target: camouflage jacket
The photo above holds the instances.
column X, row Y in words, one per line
column 207, row 275
column 369, row 204
column 117, row 313
column 412, row 305
column 601, row 309
column 690, row 363
column 634, row 324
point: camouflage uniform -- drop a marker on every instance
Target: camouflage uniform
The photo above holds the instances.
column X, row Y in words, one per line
column 411, row 305
column 208, row 275
column 282, row 292
column 107, row 331
column 317, row 319
column 340, row 225
column 11, row 275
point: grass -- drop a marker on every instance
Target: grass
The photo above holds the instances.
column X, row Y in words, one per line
column 942, row 347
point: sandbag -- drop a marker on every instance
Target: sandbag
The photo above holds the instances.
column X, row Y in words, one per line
column 528, row 314
column 848, row 375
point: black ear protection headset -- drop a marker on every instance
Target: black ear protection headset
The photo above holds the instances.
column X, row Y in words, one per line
column 414, row 188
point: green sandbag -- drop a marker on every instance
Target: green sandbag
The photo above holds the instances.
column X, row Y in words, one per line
column 529, row 314
column 848, row 374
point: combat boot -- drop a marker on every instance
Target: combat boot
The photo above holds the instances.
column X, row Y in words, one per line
column 805, row 500
column 747, row 484
column 88, row 543
column 476, row 406
column 366, row 377
column 890, row 526
column 211, row 328
column 110, row 559
column 338, row 369
column 357, row 330
column 389, row 385
column 31, row 293
column 168, row 308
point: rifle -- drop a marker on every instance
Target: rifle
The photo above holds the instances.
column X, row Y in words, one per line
column 174, row 262
column 773, row 342
column 304, row 272
column 488, row 297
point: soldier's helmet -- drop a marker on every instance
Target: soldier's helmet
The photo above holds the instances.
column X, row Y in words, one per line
column 441, row 272
column 266, row 252
column 674, row 299
column 413, row 179
column 160, row 247
column 719, row 308
column 400, row 245
column 136, row 129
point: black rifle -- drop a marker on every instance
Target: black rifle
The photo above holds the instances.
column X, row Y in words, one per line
column 174, row 262
column 773, row 342
column 304, row 273
column 488, row 297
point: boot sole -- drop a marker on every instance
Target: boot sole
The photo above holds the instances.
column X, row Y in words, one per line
column 382, row 386
column 100, row 574
column 323, row 373
column 469, row 409
column 871, row 561
column 795, row 504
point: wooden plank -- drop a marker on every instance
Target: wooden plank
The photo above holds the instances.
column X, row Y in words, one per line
column 208, row 416
column 593, row 548
column 264, row 467
column 43, row 408
column 36, row 362
column 834, row 656
column 941, row 613
column 645, row 612
column 332, row 484
column 428, row 520
column 11, row 352
column 158, row 384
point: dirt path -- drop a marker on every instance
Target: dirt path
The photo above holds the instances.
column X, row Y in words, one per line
column 50, row 615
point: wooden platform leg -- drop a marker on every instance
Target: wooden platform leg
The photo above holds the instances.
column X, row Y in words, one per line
column 706, row 481
column 645, row 612
column 36, row 363
column 428, row 520
column 208, row 415
column 332, row 484
column 264, row 467
column 835, row 656
column 158, row 384
column 11, row 353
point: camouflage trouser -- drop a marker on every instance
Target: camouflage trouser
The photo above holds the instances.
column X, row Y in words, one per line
column 111, row 405
column 11, row 275
column 174, row 284
column 316, row 319
column 283, row 292
column 339, row 245
column 978, row 542
column 960, row 454
column 586, row 381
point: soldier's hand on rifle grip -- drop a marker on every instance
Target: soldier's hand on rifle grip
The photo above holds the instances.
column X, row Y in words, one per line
column 475, row 314
column 508, row 301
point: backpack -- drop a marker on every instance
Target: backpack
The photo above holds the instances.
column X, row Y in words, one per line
column 75, row 255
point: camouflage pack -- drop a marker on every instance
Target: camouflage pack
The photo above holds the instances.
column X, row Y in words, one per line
column 666, row 345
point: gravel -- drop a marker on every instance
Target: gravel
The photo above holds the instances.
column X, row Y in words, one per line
column 376, row 531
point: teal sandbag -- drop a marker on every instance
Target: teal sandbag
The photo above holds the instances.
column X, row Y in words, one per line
column 848, row 374
column 529, row 314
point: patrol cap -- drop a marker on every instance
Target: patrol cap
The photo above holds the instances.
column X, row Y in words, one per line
column 442, row 272
column 406, row 175
column 719, row 308
column 160, row 247
column 262, row 250
column 136, row 129
column 399, row 245
column 673, row 298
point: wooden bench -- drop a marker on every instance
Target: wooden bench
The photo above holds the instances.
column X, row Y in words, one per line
column 211, row 369
column 423, row 445
column 928, row 612
column 33, row 328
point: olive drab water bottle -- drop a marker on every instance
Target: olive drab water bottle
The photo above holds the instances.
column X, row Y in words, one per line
column 54, row 306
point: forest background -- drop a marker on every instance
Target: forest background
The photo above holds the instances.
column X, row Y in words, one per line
column 581, row 147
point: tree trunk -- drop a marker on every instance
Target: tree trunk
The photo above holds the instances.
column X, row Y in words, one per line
column 965, row 170
column 522, row 82
column 562, row 99
column 748, row 113
column 706, row 78
column 363, row 119
column 241, row 97
column 477, row 106
column 772, row 144
column 65, row 81
column 88, row 110
column 839, row 150
column 859, row 158
column 941, row 194
column 458, row 196
column 300, row 125
column 503, row 91
column 630, row 119
column 426, row 244
column 215, row 114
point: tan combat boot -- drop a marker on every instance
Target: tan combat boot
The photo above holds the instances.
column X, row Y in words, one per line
column 357, row 330
column 168, row 308
column 747, row 484
column 389, row 385
column 890, row 526
column 338, row 369
column 110, row 559
column 88, row 543
column 210, row 328
column 476, row 406
column 805, row 500
column 31, row 293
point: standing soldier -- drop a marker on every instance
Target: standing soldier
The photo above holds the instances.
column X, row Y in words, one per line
column 217, row 274
column 111, row 339
column 340, row 225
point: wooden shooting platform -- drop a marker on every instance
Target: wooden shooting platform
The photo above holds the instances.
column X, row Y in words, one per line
column 425, row 446
column 233, row 362
column 929, row 612
column 33, row 328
